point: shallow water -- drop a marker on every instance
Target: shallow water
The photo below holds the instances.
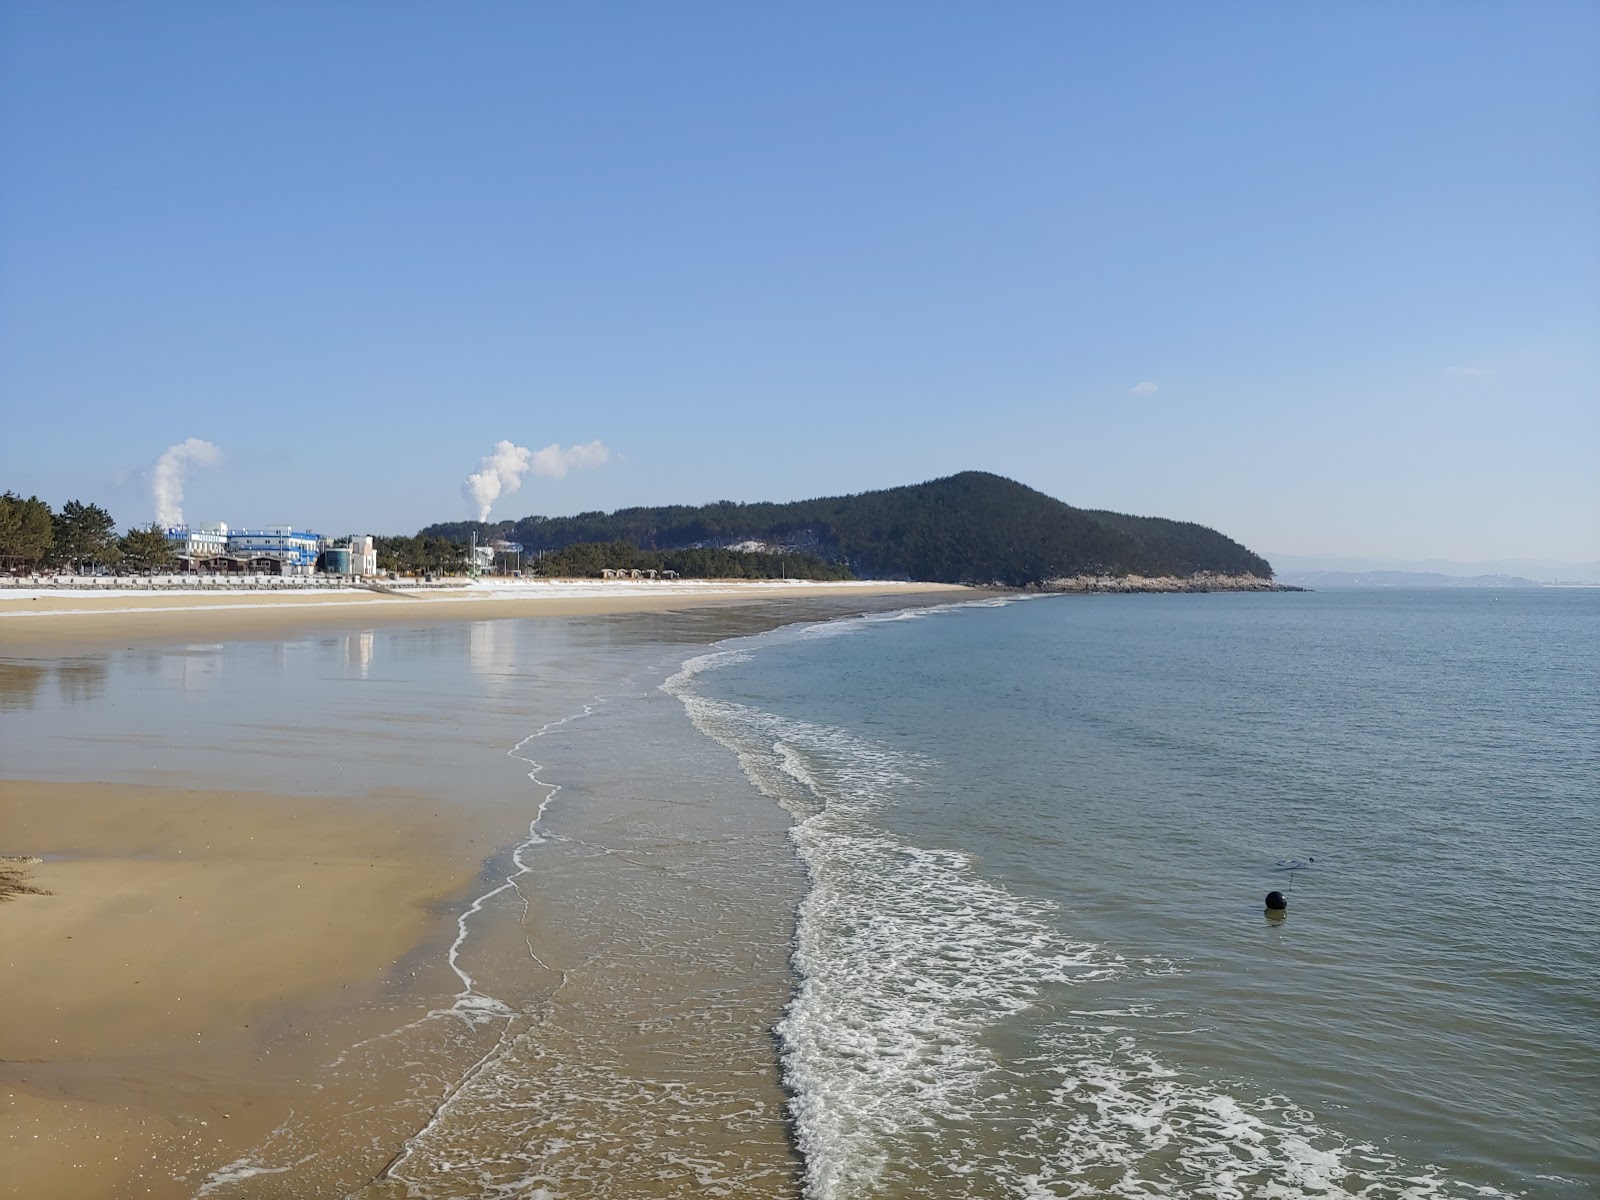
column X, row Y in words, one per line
column 1034, row 958
column 960, row 902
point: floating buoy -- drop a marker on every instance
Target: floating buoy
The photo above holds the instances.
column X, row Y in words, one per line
column 1276, row 902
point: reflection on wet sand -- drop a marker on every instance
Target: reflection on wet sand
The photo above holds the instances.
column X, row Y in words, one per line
column 81, row 679
column 358, row 648
column 19, row 685
column 191, row 668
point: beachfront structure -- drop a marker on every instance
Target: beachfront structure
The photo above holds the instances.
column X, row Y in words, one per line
column 355, row 555
column 199, row 543
column 293, row 552
column 364, row 555
column 276, row 550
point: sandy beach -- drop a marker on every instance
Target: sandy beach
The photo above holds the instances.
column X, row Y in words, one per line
column 51, row 622
column 192, row 952
column 155, row 981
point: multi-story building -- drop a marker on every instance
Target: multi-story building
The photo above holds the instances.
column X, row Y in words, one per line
column 293, row 551
column 355, row 555
column 364, row 555
column 198, row 543
column 280, row 548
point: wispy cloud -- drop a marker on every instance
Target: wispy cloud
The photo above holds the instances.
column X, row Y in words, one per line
column 556, row 460
column 1143, row 389
column 1468, row 372
column 500, row 472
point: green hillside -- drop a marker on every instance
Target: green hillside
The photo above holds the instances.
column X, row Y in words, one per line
column 967, row 528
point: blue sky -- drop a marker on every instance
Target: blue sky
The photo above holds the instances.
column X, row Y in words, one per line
column 774, row 251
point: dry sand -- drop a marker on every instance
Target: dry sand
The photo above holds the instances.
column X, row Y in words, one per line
column 55, row 623
column 162, row 999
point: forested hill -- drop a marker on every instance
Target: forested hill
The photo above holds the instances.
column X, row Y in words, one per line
column 967, row 528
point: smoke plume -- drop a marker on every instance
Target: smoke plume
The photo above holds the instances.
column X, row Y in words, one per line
column 500, row 473
column 166, row 481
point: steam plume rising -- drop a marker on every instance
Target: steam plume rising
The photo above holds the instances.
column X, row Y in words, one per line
column 500, row 472
column 166, row 481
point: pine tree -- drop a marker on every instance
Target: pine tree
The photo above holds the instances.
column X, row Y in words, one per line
column 148, row 548
column 85, row 536
column 27, row 531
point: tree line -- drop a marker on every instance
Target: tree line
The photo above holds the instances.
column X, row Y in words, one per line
column 430, row 554
column 81, row 538
column 589, row 559
column 421, row 555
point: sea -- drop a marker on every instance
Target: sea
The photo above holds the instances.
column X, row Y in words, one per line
column 1033, row 957
column 968, row 900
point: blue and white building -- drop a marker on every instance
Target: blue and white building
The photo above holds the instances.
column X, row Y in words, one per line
column 294, row 551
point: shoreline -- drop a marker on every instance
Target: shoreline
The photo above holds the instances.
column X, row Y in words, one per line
column 95, row 619
column 202, row 945
column 1162, row 584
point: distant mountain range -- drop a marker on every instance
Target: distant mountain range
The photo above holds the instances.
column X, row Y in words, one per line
column 1299, row 568
column 1401, row 579
column 969, row 528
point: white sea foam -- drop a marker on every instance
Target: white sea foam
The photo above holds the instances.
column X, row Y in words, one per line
column 906, row 955
column 740, row 650
column 242, row 1169
column 913, row 968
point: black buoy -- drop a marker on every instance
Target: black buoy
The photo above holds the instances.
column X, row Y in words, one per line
column 1276, row 902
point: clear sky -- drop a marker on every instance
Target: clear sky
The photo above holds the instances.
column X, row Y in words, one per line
column 1325, row 276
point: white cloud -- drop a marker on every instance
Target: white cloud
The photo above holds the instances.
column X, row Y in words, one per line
column 500, row 472
column 1468, row 372
column 1143, row 389
column 555, row 461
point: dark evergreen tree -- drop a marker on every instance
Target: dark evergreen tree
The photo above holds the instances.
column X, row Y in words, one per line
column 27, row 531
column 148, row 549
column 85, row 537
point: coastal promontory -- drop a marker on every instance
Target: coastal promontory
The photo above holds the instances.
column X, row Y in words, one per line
column 973, row 527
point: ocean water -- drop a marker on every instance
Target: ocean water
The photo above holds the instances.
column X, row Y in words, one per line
column 1032, row 957
column 964, row 901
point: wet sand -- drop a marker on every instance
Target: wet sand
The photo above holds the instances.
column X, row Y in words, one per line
column 60, row 623
column 163, row 992
column 199, row 956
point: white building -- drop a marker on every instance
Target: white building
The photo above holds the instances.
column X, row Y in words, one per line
column 199, row 541
column 364, row 555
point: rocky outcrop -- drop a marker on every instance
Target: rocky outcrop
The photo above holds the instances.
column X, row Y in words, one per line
column 1205, row 581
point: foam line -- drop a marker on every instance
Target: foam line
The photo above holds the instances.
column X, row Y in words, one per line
column 469, row 997
column 469, row 1005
